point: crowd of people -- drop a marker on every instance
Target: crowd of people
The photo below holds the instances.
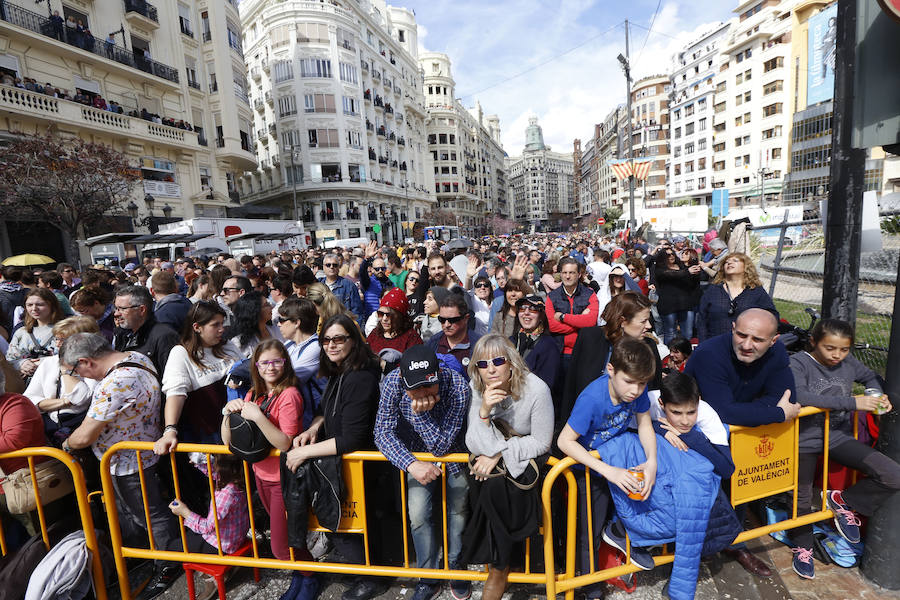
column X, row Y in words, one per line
column 513, row 350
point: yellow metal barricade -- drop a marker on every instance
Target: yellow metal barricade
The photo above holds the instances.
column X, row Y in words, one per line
column 765, row 456
column 84, row 509
column 353, row 521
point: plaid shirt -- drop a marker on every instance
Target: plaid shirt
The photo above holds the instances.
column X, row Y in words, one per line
column 399, row 431
column 234, row 519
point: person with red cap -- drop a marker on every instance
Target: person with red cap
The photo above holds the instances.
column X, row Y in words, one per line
column 394, row 332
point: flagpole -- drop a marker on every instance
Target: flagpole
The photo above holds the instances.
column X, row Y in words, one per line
column 632, row 222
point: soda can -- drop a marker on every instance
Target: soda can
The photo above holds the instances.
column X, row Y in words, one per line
column 639, row 475
column 876, row 393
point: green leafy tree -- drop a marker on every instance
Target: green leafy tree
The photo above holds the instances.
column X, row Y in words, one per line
column 72, row 184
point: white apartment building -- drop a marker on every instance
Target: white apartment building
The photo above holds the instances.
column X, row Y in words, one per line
column 690, row 167
column 465, row 147
column 541, row 183
column 172, row 59
column 339, row 117
column 752, row 106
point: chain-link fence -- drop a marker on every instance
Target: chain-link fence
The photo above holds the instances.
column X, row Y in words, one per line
column 794, row 278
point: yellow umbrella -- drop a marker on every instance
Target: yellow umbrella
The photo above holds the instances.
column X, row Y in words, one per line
column 26, row 260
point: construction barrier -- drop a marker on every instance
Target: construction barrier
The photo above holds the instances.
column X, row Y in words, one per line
column 763, row 468
column 84, row 508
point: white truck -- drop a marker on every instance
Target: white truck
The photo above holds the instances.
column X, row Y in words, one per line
column 218, row 233
column 677, row 219
column 194, row 237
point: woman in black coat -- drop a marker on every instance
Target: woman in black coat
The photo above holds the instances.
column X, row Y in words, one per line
column 677, row 286
column 344, row 422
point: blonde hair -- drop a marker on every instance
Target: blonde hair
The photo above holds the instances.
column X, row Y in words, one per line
column 326, row 302
column 751, row 276
column 73, row 325
column 490, row 346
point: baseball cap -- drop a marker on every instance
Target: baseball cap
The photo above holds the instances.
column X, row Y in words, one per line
column 418, row 367
column 532, row 299
column 166, row 265
column 130, row 267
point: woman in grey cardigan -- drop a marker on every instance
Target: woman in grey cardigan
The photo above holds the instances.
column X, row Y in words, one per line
column 509, row 433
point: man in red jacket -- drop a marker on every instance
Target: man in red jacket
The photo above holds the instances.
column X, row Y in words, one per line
column 571, row 306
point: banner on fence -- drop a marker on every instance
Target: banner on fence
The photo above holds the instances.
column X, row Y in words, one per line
column 765, row 459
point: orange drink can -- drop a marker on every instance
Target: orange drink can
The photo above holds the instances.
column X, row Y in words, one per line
column 639, row 475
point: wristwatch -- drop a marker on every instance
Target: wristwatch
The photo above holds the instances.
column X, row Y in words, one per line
column 65, row 446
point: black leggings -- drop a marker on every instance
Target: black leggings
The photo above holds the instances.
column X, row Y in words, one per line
column 865, row 496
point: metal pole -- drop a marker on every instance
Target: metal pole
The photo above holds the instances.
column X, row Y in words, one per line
column 777, row 264
column 408, row 218
column 843, row 233
column 882, row 552
column 294, row 179
column 632, row 223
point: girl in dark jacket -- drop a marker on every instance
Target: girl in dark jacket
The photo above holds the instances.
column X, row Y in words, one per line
column 344, row 423
column 541, row 351
column 677, row 285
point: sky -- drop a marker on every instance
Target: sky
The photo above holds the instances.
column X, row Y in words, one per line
column 555, row 59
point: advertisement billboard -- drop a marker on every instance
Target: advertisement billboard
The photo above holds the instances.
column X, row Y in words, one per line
column 820, row 56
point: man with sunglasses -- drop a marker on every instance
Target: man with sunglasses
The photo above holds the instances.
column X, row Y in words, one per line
column 138, row 330
column 373, row 285
column 455, row 337
column 345, row 290
column 423, row 408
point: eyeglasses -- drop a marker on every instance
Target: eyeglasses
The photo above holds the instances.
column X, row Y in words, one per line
column 529, row 308
column 68, row 270
column 497, row 361
column 412, row 279
column 124, row 308
column 379, row 268
column 482, row 285
column 72, row 371
column 230, row 289
column 337, row 340
column 331, row 265
column 265, row 364
column 451, row 320
column 382, row 314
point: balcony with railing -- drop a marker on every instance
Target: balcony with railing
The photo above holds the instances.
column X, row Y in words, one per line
column 39, row 106
column 194, row 84
column 80, row 43
column 141, row 13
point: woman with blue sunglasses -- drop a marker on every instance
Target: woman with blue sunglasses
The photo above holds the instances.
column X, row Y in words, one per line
column 509, row 433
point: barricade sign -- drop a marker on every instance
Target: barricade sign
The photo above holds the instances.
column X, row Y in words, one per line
column 764, row 457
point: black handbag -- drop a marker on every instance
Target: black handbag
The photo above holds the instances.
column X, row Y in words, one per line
column 247, row 440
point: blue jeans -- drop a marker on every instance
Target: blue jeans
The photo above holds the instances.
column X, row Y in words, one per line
column 684, row 319
column 425, row 538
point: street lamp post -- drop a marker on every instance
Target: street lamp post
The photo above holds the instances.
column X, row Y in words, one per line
column 626, row 66
column 408, row 219
column 762, row 172
column 149, row 221
column 294, row 179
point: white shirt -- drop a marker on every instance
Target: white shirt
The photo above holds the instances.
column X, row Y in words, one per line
column 708, row 420
column 43, row 385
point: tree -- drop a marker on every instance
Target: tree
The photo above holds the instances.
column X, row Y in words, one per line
column 69, row 183
column 499, row 225
column 611, row 214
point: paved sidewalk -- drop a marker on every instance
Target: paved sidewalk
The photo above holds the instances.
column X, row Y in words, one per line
column 720, row 578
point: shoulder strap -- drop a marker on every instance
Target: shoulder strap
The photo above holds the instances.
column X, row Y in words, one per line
column 133, row 364
column 37, row 344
